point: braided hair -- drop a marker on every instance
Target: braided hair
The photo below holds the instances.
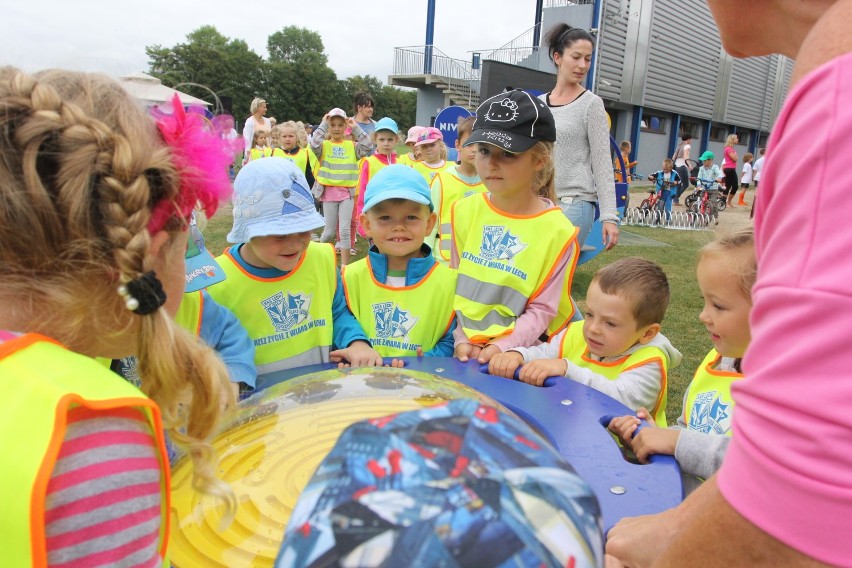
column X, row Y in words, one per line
column 81, row 168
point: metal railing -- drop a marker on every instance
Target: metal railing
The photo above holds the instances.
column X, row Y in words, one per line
column 516, row 50
column 563, row 3
column 461, row 79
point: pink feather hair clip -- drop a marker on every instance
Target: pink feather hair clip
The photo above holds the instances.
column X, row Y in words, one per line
column 202, row 158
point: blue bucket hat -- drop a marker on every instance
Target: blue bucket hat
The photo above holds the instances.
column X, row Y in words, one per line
column 397, row 182
column 271, row 197
column 387, row 123
column 462, row 484
column 202, row 270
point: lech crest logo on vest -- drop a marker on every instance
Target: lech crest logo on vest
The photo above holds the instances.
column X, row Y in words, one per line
column 392, row 321
column 710, row 414
column 287, row 312
column 498, row 243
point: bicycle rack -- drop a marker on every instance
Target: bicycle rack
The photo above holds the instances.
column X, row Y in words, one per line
column 680, row 220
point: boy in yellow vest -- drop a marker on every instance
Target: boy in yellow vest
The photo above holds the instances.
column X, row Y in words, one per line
column 401, row 296
column 617, row 349
column 285, row 289
column 449, row 186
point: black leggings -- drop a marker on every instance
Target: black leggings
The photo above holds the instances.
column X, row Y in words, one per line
column 683, row 174
column 732, row 184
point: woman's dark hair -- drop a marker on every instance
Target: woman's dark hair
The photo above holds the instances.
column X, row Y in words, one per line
column 686, row 137
column 363, row 100
column 562, row 35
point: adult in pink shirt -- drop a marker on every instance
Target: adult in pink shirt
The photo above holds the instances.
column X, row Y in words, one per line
column 729, row 167
column 784, row 494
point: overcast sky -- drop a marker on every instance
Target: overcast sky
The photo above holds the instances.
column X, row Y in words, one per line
column 359, row 37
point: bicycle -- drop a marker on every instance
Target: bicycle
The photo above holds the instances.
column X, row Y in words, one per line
column 697, row 194
column 654, row 205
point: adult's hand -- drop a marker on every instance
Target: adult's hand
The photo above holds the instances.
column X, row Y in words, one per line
column 638, row 541
column 610, row 235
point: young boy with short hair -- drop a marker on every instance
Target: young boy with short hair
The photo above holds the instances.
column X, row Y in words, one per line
column 664, row 180
column 285, row 289
column 399, row 293
column 449, row 186
column 617, row 349
column 710, row 172
column 626, row 147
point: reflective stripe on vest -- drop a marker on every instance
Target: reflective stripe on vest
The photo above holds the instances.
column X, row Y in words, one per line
column 288, row 318
column 189, row 313
column 709, row 407
column 42, row 380
column 500, row 270
column 573, row 347
column 399, row 320
column 338, row 165
column 446, row 190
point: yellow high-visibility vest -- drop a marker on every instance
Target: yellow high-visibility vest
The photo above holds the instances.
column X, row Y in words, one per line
column 288, row 318
column 399, row 320
column 573, row 347
column 505, row 261
column 42, row 381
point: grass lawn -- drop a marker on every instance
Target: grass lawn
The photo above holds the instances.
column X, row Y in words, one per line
column 678, row 260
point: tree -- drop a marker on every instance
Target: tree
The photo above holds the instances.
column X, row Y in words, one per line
column 288, row 44
column 300, row 86
column 225, row 66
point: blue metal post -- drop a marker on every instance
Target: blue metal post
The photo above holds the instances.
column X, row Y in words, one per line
column 705, row 137
column 596, row 23
column 539, row 10
column 635, row 129
column 674, row 138
column 430, row 37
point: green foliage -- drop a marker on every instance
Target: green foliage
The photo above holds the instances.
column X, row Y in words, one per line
column 295, row 79
column 292, row 42
column 225, row 66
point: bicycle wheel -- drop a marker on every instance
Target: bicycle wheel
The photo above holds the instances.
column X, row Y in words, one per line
column 722, row 203
column 690, row 200
column 644, row 205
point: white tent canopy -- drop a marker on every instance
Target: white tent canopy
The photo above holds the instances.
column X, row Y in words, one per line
column 151, row 91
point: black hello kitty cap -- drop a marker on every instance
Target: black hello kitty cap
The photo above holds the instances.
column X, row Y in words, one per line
column 513, row 121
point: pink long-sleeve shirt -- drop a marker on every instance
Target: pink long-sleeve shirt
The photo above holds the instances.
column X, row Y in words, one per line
column 789, row 466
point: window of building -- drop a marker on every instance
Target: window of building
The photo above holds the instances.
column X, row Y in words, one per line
column 654, row 123
column 689, row 127
column 718, row 133
column 762, row 140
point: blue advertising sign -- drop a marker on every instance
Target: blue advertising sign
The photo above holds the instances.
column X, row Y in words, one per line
column 447, row 122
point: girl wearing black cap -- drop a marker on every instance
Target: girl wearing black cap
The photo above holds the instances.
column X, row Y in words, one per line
column 514, row 249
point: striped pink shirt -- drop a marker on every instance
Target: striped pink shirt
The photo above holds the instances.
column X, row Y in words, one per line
column 103, row 502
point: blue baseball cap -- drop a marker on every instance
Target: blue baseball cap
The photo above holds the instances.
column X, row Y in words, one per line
column 397, row 182
column 387, row 123
column 271, row 198
column 202, row 270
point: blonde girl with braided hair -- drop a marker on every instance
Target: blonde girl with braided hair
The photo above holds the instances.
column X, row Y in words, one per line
column 94, row 204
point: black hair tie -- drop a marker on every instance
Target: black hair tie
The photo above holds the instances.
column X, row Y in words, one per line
column 143, row 295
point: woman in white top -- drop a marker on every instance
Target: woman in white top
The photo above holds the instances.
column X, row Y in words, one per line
column 582, row 152
column 680, row 157
column 257, row 121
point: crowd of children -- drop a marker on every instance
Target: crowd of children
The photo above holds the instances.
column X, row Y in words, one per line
column 470, row 259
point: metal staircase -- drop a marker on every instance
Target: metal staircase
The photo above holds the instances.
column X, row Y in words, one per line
column 419, row 65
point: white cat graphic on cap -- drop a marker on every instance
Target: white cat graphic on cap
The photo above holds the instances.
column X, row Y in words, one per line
column 502, row 111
